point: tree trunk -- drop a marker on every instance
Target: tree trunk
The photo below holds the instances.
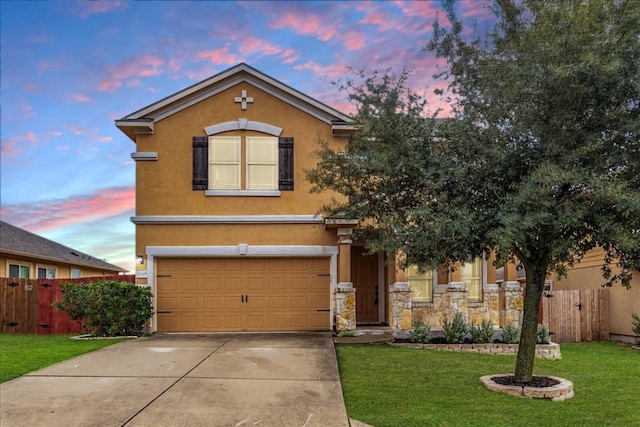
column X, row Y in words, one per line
column 536, row 276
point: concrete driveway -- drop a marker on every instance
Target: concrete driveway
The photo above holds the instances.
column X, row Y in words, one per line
column 185, row 380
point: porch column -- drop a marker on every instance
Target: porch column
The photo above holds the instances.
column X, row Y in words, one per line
column 511, row 304
column 400, row 301
column 344, row 256
column 344, row 296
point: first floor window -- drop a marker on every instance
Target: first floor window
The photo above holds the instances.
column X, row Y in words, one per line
column 46, row 273
column 472, row 277
column 421, row 284
column 75, row 273
column 19, row 271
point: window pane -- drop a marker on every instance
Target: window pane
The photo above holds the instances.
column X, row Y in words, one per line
column 14, row 270
column 262, row 150
column 226, row 177
column 421, row 284
column 42, row 273
column 472, row 277
column 226, row 151
column 24, row 271
column 75, row 273
column 262, row 177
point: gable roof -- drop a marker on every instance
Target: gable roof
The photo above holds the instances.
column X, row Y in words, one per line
column 16, row 241
column 142, row 122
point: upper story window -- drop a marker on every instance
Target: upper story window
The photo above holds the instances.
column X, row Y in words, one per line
column 46, row 273
column 19, row 271
column 230, row 156
column 242, row 165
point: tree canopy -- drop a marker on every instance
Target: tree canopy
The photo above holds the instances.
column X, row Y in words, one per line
column 540, row 160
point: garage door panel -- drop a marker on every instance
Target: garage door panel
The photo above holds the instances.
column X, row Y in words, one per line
column 212, row 283
column 211, row 302
column 232, row 283
column 210, row 294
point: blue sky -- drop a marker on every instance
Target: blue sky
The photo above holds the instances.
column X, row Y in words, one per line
column 70, row 68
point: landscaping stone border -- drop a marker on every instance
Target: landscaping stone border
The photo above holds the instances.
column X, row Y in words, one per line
column 556, row 393
column 543, row 351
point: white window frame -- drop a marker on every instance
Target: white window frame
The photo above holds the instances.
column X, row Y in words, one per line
column 274, row 142
column 47, row 268
column 212, row 161
column 434, row 279
column 19, row 265
column 482, row 279
column 242, row 167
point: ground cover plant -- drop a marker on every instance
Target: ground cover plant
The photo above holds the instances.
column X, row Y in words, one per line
column 411, row 387
column 20, row 354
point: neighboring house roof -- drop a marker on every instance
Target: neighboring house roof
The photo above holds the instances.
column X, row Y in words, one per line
column 142, row 121
column 16, row 241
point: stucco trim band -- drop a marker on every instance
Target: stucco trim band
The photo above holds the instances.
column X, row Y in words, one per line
column 227, row 219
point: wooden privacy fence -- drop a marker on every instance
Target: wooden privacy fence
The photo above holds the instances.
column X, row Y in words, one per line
column 26, row 305
column 578, row 315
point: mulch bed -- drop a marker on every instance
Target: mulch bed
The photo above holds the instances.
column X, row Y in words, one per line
column 536, row 381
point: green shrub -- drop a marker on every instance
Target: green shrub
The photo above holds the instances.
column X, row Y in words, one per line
column 636, row 327
column 454, row 331
column 482, row 333
column 420, row 332
column 511, row 334
column 543, row 334
column 107, row 307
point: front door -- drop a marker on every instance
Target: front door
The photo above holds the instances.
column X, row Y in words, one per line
column 364, row 275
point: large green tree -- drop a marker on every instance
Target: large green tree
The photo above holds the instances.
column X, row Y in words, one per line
column 539, row 160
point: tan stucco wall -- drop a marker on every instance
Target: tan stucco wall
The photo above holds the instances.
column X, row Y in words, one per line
column 622, row 302
column 233, row 234
column 63, row 271
column 164, row 186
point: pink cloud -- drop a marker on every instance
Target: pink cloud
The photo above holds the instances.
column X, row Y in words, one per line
column 56, row 213
column 255, row 46
column 353, row 40
column 82, row 97
column 88, row 8
column 130, row 70
column 327, row 71
column 218, row 56
column 9, row 148
column 307, row 23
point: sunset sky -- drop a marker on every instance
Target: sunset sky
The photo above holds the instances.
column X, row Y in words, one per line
column 70, row 68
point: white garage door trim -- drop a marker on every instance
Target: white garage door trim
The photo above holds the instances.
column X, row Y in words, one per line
column 241, row 250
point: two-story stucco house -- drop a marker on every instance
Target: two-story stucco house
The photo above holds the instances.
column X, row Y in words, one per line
column 229, row 235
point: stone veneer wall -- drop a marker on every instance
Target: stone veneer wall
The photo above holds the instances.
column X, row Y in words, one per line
column 344, row 297
column 543, row 351
column 499, row 305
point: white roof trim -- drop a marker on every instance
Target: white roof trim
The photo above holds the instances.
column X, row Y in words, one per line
column 293, row 97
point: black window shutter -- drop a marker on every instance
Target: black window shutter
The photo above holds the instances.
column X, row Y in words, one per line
column 200, row 162
column 285, row 161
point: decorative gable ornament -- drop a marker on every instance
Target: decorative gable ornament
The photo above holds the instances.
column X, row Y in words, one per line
column 243, row 99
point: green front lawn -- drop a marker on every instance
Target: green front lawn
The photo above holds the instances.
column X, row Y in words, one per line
column 20, row 354
column 389, row 386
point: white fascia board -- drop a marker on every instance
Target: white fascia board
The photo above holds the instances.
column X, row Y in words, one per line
column 227, row 219
column 258, row 79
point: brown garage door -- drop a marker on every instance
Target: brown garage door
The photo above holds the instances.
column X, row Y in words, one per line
column 242, row 294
